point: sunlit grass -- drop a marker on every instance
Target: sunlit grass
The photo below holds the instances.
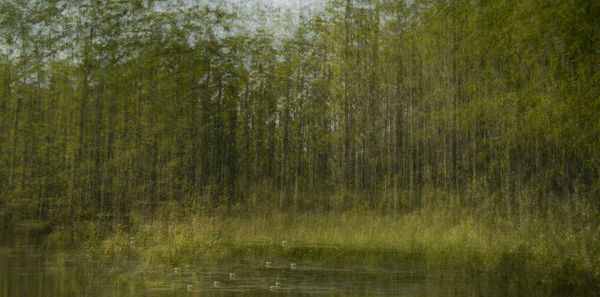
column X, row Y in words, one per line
column 536, row 251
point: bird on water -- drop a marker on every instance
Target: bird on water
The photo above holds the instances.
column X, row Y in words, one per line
column 275, row 287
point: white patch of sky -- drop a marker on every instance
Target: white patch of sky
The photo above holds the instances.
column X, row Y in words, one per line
column 279, row 17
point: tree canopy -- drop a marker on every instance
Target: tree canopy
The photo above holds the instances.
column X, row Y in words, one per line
column 112, row 106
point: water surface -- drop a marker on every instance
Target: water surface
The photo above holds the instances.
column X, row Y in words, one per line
column 28, row 272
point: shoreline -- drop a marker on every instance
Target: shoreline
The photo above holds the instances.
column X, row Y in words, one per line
column 541, row 253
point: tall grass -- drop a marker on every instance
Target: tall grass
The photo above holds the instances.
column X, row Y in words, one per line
column 552, row 251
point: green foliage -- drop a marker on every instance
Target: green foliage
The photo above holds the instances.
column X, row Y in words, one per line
column 381, row 99
column 117, row 112
column 541, row 253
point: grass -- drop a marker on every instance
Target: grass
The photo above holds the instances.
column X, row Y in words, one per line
column 548, row 252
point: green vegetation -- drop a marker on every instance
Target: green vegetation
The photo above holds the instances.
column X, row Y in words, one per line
column 456, row 133
column 539, row 254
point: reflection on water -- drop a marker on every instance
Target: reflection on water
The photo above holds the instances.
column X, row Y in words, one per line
column 25, row 272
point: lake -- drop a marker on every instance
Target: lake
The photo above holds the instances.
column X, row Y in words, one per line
column 29, row 272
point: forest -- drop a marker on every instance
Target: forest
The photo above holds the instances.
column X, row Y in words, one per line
column 120, row 112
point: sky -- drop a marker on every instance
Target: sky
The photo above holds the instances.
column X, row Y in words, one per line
column 296, row 5
column 287, row 3
column 278, row 16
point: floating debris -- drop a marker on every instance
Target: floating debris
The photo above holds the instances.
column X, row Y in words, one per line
column 216, row 284
column 189, row 287
column 176, row 270
column 231, row 275
column 292, row 265
column 268, row 264
column 283, row 243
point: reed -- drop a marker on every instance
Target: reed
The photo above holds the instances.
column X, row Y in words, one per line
column 534, row 251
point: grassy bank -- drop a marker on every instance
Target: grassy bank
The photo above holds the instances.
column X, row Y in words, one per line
column 553, row 252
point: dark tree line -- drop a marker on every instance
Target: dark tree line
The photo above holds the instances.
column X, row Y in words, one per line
column 109, row 107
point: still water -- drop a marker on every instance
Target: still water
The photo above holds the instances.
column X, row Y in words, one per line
column 27, row 272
